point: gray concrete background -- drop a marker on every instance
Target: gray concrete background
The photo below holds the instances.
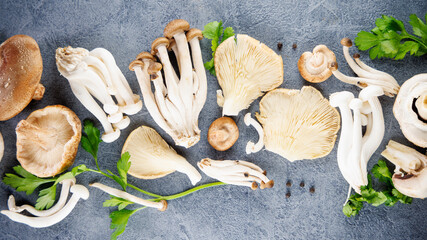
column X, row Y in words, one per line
column 228, row 212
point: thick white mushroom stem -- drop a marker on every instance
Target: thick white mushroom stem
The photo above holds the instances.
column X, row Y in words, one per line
column 375, row 130
column 66, row 184
column 410, row 176
column 251, row 147
column 421, row 105
column 354, row 156
column 236, row 172
column 161, row 206
column 78, row 191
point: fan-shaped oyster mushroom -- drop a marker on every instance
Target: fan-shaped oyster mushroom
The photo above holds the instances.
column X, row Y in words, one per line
column 47, row 141
column 245, row 69
column 314, row 66
column 298, row 124
column 21, row 68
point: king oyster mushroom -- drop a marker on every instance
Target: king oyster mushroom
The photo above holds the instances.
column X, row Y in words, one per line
column 314, row 66
column 47, row 141
column 21, row 68
column 245, row 69
column 298, row 124
column 410, row 109
column 410, row 174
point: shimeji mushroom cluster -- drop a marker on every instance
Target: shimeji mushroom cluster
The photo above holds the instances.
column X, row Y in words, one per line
column 177, row 99
column 95, row 74
column 354, row 148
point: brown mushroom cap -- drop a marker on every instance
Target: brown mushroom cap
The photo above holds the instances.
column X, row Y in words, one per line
column 176, row 26
column 145, row 55
column 314, row 67
column 47, row 141
column 158, row 42
column 154, row 68
column 172, row 43
column 135, row 63
column 223, row 133
column 346, row 42
column 21, row 68
column 194, row 32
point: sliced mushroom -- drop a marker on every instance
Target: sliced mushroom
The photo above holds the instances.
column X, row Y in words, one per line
column 298, row 124
column 252, row 147
column 152, row 157
column 47, row 141
column 410, row 107
column 245, row 69
column 410, row 174
column 314, row 66
column 21, row 68
column 236, row 172
column 223, row 133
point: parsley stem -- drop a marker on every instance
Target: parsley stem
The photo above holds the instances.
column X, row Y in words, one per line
column 190, row 191
column 145, row 192
column 416, row 40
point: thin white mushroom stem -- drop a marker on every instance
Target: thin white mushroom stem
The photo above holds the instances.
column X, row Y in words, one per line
column 201, row 73
column 66, row 184
column 161, row 206
column 171, row 83
column 79, row 191
column 251, row 147
column 365, row 67
column 97, row 65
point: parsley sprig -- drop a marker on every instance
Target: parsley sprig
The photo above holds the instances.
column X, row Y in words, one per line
column 216, row 32
column 390, row 39
column 389, row 196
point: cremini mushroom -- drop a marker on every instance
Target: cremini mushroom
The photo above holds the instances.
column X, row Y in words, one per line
column 410, row 107
column 245, row 69
column 151, row 157
column 78, row 192
column 21, row 68
column 66, row 184
column 223, row 133
column 47, row 141
column 368, row 76
column 1, row 146
column 252, row 147
column 236, row 172
column 410, row 174
column 298, row 124
column 314, row 66
column 161, row 205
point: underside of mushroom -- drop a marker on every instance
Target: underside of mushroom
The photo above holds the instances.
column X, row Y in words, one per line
column 236, row 172
column 95, row 76
column 314, row 66
column 178, row 99
column 367, row 76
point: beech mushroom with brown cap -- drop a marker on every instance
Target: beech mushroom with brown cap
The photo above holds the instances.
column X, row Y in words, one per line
column 47, row 141
column 21, row 68
column 223, row 133
column 298, row 124
column 314, row 66
column 410, row 174
column 236, row 172
column 245, row 68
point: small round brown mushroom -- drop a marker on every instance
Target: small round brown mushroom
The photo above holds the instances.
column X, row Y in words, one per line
column 314, row 66
column 47, row 141
column 21, row 68
column 223, row 133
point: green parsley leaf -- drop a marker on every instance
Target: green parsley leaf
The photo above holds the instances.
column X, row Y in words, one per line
column 91, row 139
column 390, row 39
column 381, row 171
column 228, row 32
column 46, row 198
column 25, row 182
column 210, row 66
column 116, row 201
column 123, row 166
column 119, row 220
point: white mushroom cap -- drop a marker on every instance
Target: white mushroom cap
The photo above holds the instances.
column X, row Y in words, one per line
column 245, row 69
column 298, row 124
column 314, row 66
column 47, row 141
column 410, row 121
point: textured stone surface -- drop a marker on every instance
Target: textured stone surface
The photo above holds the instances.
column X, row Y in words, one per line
column 226, row 212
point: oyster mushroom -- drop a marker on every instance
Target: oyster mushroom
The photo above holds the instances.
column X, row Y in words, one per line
column 245, row 69
column 298, row 124
column 47, row 141
column 21, row 68
column 314, row 66
column 151, row 157
column 410, row 107
column 410, row 174
column 223, row 133
column 236, row 172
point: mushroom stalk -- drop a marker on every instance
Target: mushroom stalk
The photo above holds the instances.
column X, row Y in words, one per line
column 251, row 147
column 79, row 191
column 161, row 206
column 354, row 156
column 66, row 184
